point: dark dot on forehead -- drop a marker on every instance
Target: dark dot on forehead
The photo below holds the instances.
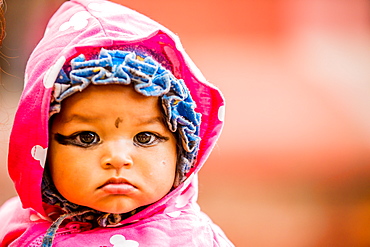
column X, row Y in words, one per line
column 117, row 122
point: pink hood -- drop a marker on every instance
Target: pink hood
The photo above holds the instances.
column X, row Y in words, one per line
column 82, row 24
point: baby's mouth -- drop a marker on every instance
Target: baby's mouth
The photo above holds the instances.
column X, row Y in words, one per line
column 118, row 186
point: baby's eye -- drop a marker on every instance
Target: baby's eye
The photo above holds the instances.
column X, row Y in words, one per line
column 148, row 139
column 80, row 139
column 88, row 137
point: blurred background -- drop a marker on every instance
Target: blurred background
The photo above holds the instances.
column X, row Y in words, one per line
column 292, row 167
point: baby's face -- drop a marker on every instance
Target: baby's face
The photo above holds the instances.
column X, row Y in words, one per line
column 110, row 149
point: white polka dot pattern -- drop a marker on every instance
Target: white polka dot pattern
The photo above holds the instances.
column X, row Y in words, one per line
column 78, row 21
column 221, row 113
column 39, row 153
column 52, row 73
column 120, row 241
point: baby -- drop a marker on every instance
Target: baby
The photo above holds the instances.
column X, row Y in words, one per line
column 111, row 130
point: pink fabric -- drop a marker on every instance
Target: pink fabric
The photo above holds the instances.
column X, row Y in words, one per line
column 175, row 220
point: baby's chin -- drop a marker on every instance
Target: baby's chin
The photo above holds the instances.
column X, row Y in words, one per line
column 115, row 208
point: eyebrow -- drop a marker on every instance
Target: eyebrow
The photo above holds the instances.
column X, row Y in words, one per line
column 153, row 120
column 89, row 119
column 79, row 118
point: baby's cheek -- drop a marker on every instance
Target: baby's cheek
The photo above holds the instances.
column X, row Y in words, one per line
column 164, row 170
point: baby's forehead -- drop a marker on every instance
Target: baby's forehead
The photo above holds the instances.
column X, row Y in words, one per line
column 100, row 100
column 106, row 107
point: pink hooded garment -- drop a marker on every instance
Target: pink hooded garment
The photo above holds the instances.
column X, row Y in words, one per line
column 176, row 219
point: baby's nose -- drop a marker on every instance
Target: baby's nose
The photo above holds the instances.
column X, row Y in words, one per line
column 117, row 155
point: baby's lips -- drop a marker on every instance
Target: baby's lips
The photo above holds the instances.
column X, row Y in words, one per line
column 116, row 180
column 117, row 186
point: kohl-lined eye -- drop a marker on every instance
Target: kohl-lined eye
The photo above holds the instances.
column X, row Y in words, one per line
column 88, row 137
column 81, row 139
column 148, row 139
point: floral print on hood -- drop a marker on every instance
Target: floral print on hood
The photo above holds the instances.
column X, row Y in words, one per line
column 175, row 220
